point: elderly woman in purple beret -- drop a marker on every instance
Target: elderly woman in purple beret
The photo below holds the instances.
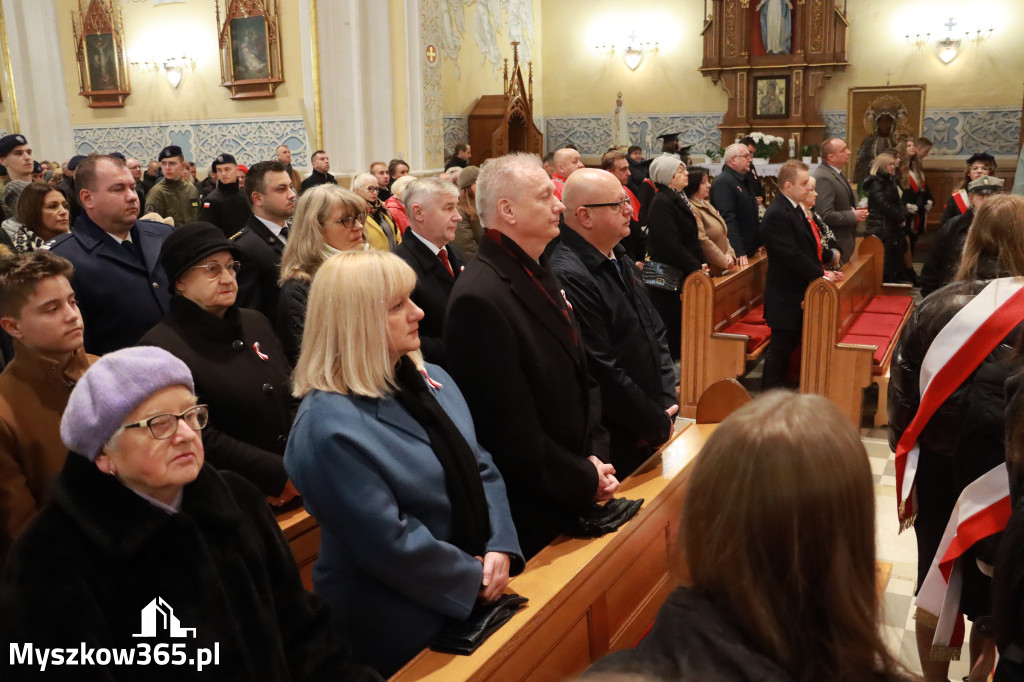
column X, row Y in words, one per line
column 150, row 564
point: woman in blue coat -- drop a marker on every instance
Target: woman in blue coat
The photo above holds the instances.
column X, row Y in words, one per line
column 415, row 523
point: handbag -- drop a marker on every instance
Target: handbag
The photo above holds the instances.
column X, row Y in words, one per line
column 465, row 637
column 662, row 276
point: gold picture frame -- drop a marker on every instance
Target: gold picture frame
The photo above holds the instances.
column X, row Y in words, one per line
column 250, row 48
column 904, row 104
column 100, row 52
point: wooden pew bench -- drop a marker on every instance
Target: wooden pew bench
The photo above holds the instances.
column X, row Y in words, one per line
column 723, row 328
column 850, row 332
column 303, row 534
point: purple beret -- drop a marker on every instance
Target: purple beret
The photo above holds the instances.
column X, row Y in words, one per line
column 111, row 389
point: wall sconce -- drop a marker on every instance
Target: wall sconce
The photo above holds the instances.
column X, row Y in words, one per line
column 605, row 50
column 948, row 48
column 635, row 51
column 173, row 67
column 917, row 41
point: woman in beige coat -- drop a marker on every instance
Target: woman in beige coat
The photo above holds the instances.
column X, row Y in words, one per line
column 713, row 233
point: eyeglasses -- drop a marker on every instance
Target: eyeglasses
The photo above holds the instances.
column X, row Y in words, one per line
column 351, row 220
column 215, row 269
column 163, row 426
column 372, row 188
column 619, row 205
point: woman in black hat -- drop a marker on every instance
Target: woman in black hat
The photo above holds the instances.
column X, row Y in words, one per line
column 239, row 366
column 979, row 164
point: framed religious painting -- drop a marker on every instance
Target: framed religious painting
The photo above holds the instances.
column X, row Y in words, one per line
column 771, row 96
column 250, row 48
column 880, row 118
column 99, row 50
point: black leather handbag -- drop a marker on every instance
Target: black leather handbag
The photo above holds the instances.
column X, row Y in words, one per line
column 484, row 620
column 662, row 276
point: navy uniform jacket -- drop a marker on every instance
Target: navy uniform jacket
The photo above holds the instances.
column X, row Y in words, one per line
column 261, row 267
column 433, row 287
column 626, row 348
column 535, row 407
column 793, row 263
column 731, row 195
column 120, row 296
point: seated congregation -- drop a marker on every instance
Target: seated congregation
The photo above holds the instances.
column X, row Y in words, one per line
column 453, row 375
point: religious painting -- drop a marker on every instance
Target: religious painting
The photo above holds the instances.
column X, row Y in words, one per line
column 771, row 96
column 99, row 50
column 250, row 48
column 879, row 118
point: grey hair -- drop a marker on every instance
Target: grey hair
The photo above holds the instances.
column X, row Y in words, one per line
column 497, row 177
column 734, row 150
column 364, row 180
column 428, row 189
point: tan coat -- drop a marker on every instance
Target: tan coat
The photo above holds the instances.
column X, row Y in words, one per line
column 713, row 235
column 33, row 394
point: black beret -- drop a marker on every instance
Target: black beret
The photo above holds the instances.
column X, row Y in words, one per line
column 37, row 167
column 191, row 243
column 9, row 142
column 75, row 160
column 979, row 156
column 221, row 160
column 117, row 155
column 168, row 152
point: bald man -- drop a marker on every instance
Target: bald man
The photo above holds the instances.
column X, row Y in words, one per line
column 513, row 346
column 627, row 352
column 567, row 161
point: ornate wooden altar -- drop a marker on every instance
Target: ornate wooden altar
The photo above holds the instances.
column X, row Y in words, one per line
column 773, row 62
column 500, row 124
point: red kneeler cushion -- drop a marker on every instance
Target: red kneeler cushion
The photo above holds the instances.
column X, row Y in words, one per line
column 876, row 324
column 757, row 333
column 891, row 305
column 881, row 343
column 755, row 316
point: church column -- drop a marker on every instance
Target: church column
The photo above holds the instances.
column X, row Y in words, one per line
column 39, row 84
column 423, row 83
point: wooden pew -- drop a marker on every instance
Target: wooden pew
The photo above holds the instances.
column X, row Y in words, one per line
column 303, row 534
column 838, row 358
column 710, row 306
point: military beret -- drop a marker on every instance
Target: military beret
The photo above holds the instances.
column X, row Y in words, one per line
column 37, row 167
column 74, row 161
column 221, row 160
column 117, row 155
column 168, row 152
column 9, row 142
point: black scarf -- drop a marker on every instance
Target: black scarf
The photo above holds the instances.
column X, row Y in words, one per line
column 471, row 524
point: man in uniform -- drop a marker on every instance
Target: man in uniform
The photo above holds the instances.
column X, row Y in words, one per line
column 320, row 174
column 268, row 187
column 16, row 157
column 226, row 206
column 173, row 197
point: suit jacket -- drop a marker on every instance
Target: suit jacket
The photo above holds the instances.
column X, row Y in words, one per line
column 120, row 296
column 836, row 202
column 433, row 287
column 535, row 407
column 626, row 348
column 261, row 267
column 367, row 472
column 792, row 263
column 731, row 195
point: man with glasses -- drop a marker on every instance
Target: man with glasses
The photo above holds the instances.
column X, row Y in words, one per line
column 121, row 288
column 731, row 195
column 320, row 174
column 627, row 353
column 268, row 188
column 381, row 232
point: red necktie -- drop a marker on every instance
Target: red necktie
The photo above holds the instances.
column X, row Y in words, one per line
column 443, row 255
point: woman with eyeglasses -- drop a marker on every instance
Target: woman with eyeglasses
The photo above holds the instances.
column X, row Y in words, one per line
column 142, row 539
column 328, row 220
column 382, row 232
column 239, row 366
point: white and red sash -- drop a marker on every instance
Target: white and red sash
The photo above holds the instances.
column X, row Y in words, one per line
column 958, row 349
column 961, row 200
column 914, row 183
column 983, row 509
column 634, row 203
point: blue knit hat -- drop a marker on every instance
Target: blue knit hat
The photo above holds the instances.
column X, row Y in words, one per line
column 111, row 389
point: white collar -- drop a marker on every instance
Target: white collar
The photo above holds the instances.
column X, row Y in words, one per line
column 273, row 227
column 434, row 248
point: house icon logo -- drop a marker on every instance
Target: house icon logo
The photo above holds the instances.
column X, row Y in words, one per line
column 158, row 618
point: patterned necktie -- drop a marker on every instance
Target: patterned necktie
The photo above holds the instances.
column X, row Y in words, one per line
column 443, row 255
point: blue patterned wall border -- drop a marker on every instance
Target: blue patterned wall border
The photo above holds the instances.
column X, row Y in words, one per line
column 835, row 124
column 456, row 130
column 962, row 132
column 248, row 140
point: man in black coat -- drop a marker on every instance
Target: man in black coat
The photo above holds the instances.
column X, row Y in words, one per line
column 226, row 207
column 731, row 195
column 615, row 162
column 121, row 288
column 513, row 347
column 321, row 172
column 627, row 353
column 272, row 199
column 432, row 205
column 795, row 259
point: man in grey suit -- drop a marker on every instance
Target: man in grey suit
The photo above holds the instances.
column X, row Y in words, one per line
column 837, row 204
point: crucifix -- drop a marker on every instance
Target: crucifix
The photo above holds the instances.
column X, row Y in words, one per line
column 950, row 24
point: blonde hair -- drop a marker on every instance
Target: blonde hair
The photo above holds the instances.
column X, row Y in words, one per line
column 882, row 160
column 305, row 250
column 778, row 530
column 345, row 341
column 997, row 231
column 399, row 186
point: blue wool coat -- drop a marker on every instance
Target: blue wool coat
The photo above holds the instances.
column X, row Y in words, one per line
column 367, row 472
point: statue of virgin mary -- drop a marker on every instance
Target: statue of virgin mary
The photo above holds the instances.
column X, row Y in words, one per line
column 776, row 25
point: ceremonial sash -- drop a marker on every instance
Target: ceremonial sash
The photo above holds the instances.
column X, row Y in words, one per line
column 633, row 202
column 913, row 181
column 649, row 182
column 982, row 509
column 958, row 349
column 817, row 232
column 960, row 198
